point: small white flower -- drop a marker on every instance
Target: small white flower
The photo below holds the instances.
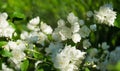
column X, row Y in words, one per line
column 105, row 46
column 61, row 23
column 89, row 13
column 86, row 44
column 106, row 15
column 63, row 33
column 75, row 27
column 34, row 21
column 54, row 48
column 46, row 28
column 17, row 57
column 84, row 31
column 41, row 38
column 93, row 27
column 81, row 22
column 76, row 37
column 32, row 25
column 6, row 30
column 72, row 18
column 24, row 35
column 5, row 68
column 61, row 61
column 115, row 56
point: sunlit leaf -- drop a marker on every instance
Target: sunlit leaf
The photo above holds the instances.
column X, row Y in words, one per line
column 24, row 65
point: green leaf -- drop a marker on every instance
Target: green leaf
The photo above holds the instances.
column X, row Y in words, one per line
column 6, row 53
column 13, row 26
column 40, row 70
column 18, row 15
column 24, row 65
column 86, row 69
column 38, row 55
column 2, row 43
column 117, row 21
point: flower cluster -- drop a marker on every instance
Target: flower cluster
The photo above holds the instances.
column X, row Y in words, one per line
column 68, row 47
column 106, row 15
column 6, row 29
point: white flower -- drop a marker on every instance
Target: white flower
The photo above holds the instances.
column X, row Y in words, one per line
column 61, row 23
column 24, row 35
column 6, row 30
column 89, row 13
column 63, row 33
column 68, row 57
column 73, row 53
column 114, row 55
column 41, row 38
column 84, row 31
column 54, row 47
column 76, row 37
column 106, row 15
column 34, row 21
column 32, row 25
column 61, row 61
column 18, row 45
column 86, row 44
column 93, row 27
column 17, row 57
column 105, row 46
column 75, row 27
column 93, row 52
column 72, row 18
column 33, row 37
column 81, row 22
column 5, row 68
column 46, row 28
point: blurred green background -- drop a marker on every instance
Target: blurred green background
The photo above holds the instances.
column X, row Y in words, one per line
column 50, row 11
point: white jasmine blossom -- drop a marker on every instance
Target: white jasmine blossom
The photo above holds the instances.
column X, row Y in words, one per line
column 76, row 37
column 34, row 21
column 86, row 44
column 54, row 48
column 63, row 33
column 32, row 25
column 89, row 13
column 17, row 57
column 46, row 28
column 104, row 45
column 18, row 45
column 81, row 22
column 75, row 27
column 93, row 27
column 106, row 15
column 6, row 30
column 72, row 18
column 84, row 31
column 114, row 56
column 17, row 50
column 24, row 35
column 5, row 68
column 61, row 23
column 41, row 38
column 68, row 57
